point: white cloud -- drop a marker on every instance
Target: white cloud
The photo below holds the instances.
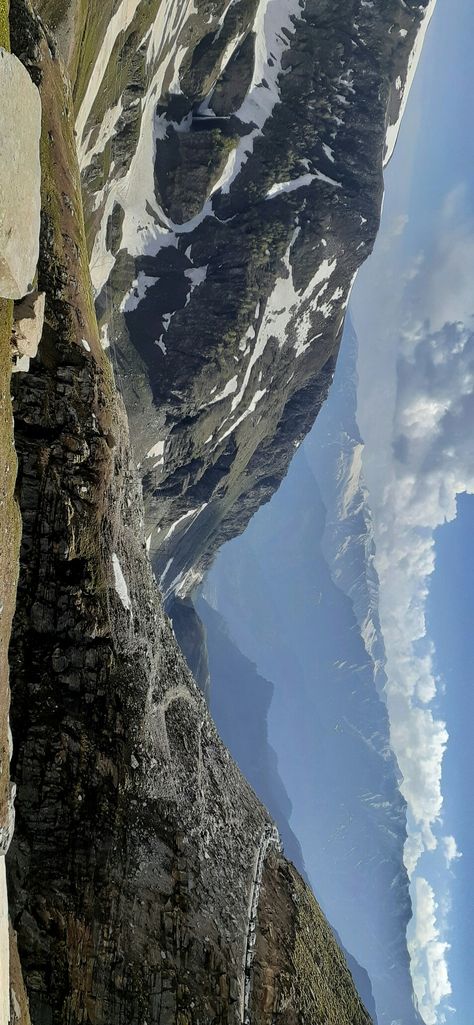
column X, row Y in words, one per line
column 418, row 457
column 428, row 953
column 451, row 852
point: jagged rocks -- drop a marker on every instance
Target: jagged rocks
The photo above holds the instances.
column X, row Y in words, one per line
column 20, row 178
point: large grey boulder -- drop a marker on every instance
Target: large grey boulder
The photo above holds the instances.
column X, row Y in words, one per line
column 20, row 177
column 28, row 320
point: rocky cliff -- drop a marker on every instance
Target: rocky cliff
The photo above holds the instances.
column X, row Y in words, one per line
column 137, row 873
column 231, row 157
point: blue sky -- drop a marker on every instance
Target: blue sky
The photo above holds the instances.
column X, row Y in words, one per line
column 416, row 414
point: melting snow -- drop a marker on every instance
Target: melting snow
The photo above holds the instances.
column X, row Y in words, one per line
column 413, row 61
column 137, row 292
column 329, row 152
column 158, row 451
column 120, row 584
column 290, row 186
column 229, row 389
column 120, row 21
column 104, row 336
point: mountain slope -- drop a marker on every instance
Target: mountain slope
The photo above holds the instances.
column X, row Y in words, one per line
column 137, row 861
column 231, row 160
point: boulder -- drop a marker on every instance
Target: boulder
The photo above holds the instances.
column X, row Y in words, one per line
column 20, row 178
column 28, row 320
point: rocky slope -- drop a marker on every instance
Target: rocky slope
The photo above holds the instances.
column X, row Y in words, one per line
column 137, row 873
column 231, row 157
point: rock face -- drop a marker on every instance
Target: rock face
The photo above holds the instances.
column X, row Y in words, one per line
column 28, row 320
column 231, row 158
column 132, row 870
column 20, row 176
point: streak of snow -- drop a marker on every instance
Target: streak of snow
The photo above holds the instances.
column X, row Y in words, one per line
column 273, row 20
column 121, row 584
column 120, row 21
column 324, row 178
column 353, row 482
column 229, row 389
column 413, row 61
column 145, row 225
column 328, row 152
column 106, row 132
column 194, row 513
column 290, row 186
column 251, row 409
column 158, row 451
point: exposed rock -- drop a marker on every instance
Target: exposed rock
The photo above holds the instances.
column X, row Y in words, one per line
column 28, row 320
column 19, row 1011
column 20, row 177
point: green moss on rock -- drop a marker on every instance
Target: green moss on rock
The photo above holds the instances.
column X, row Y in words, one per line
column 4, row 24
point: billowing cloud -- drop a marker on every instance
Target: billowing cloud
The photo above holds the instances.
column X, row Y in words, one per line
column 428, row 953
column 419, row 456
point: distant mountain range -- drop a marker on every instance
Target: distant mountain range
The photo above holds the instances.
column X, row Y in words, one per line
column 304, row 573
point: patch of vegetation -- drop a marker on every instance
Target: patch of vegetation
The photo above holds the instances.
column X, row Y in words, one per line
column 4, row 24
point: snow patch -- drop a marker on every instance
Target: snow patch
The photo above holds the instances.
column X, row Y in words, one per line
column 290, row 186
column 229, row 389
column 137, row 292
column 157, row 452
column 120, row 584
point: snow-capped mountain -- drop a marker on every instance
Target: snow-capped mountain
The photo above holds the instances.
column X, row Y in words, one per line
column 335, row 454
column 231, row 156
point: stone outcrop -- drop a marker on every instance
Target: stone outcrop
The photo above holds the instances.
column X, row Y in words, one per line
column 28, row 320
column 133, row 863
column 20, row 127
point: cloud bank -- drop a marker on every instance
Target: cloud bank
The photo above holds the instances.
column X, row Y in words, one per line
column 427, row 460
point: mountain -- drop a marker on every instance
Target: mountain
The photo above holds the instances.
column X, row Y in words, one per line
column 231, row 156
column 335, row 452
column 145, row 878
column 298, row 595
